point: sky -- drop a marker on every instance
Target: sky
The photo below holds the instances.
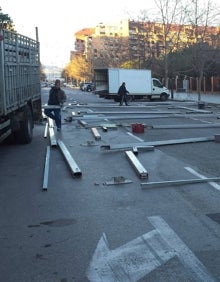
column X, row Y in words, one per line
column 57, row 21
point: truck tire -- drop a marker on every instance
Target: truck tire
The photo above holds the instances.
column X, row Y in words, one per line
column 163, row 97
column 117, row 98
column 130, row 98
column 25, row 134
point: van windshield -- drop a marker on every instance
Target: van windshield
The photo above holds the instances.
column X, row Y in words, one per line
column 157, row 83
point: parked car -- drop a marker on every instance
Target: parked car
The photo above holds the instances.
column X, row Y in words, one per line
column 87, row 86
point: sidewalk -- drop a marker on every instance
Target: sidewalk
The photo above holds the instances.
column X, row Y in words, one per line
column 207, row 98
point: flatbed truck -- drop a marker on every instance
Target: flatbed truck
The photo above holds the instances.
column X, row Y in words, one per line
column 20, row 87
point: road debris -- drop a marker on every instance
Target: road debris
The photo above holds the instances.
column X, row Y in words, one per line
column 118, row 180
column 90, row 143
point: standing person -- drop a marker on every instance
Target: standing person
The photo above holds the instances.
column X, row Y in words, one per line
column 122, row 92
column 56, row 98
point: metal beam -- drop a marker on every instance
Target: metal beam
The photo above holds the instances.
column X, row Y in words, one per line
column 46, row 169
column 50, row 122
column 122, row 112
column 97, row 124
column 53, row 140
column 139, row 116
column 174, row 126
column 178, row 182
column 190, row 110
column 69, row 159
column 141, row 171
column 96, row 133
column 83, row 123
column 150, row 145
column 121, row 117
column 130, row 146
column 180, row 141
column 46, row 130
column 50, row 107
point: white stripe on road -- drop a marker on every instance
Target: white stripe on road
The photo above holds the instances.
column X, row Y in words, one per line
column 184, row 254
column 139, row 139
column 213, row 184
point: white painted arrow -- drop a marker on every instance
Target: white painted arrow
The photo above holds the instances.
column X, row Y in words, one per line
column 129, row 262
column 134, row 260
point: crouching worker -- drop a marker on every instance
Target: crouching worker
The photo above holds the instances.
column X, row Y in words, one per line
column 56, row 98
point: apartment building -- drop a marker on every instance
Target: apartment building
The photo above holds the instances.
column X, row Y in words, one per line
column 115, row 43
column 104, row 44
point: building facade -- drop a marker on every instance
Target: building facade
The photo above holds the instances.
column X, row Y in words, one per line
column 115, row 43
column 137, row 42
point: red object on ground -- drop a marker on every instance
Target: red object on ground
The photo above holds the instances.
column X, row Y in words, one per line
column 137, row 128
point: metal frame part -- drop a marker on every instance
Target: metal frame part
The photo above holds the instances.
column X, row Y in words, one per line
column 46, row 169
column 96, row 133
column 46, row 130
column 130, row 146
column 178, row 182
column 150, row 144
column 141, row 171
column 69, row 159
column 53, row 140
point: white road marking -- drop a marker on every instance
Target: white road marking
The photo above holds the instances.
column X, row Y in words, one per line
column 136, row 137
column 129, row 262
column 184, row 254
column 213, row 184
column 134, row 260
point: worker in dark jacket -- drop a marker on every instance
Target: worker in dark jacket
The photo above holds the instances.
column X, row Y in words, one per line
column 122, row 92
column 56, row 98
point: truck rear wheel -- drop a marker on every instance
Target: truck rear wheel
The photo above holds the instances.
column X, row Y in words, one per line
column 25, row 134
column 117, row 98
column 130, row 98
column 163, row 97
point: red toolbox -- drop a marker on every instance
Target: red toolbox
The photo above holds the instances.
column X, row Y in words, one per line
column 137, row 128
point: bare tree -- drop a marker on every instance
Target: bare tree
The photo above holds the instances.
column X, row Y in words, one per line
column 172, row 15
column 202, row 18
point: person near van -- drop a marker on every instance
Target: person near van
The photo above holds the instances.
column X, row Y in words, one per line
column 122, row 92
column 56, row 98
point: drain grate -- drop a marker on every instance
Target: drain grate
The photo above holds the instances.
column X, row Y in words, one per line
column 215, row 217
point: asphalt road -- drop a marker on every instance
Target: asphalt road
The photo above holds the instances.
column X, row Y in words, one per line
column 107, row 224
